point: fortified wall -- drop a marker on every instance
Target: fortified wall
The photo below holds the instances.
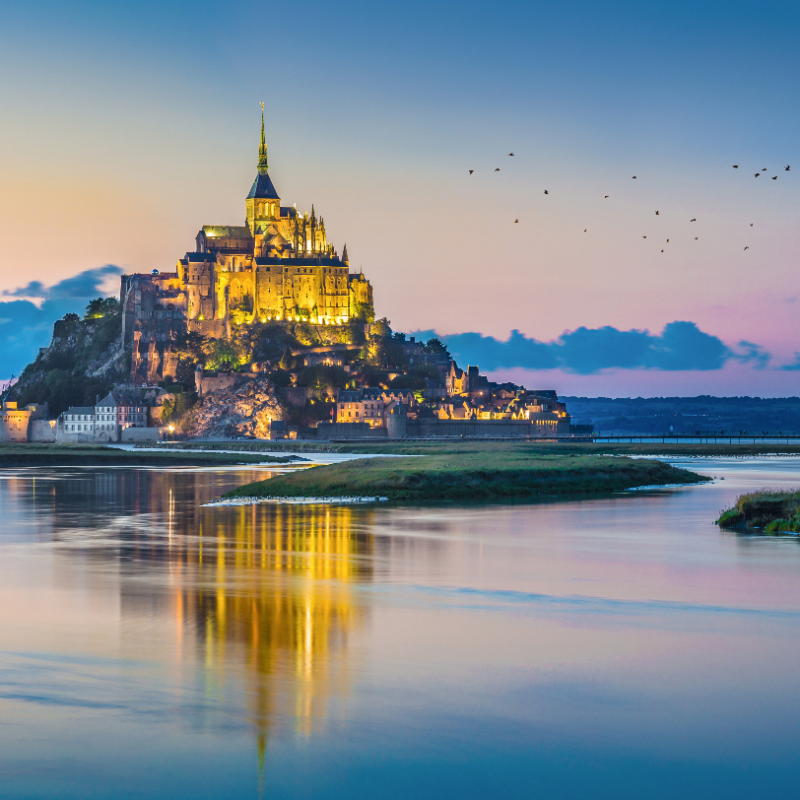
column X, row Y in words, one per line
column 29, row 424
column 400, row 427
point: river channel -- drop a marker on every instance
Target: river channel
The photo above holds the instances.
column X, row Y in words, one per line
column 153, row 646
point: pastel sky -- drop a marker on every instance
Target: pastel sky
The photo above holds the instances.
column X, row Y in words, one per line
column 125, row 127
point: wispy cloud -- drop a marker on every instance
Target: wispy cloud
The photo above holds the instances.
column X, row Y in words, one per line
column 585, row 351
column 26, row 321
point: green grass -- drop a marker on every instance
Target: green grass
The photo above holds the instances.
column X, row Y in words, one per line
column 471, row 445
column 34, row 455
column 766, row 511
column 481, row 471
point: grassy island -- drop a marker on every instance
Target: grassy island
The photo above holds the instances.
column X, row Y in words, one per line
column 764, row 511
column 480, row 471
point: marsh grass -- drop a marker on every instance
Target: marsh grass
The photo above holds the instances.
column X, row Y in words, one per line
column 480, row 472
column 766, row 510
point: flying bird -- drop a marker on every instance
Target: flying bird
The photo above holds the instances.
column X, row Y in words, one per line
column 498, row 169
column 786, row 168
column 693, row 220
column 736, row 166
column 656, row 213
column 696, row 238
column 511, row 154
column 584, row 230
column 758, row 175
column 516, row 220
column 662, row 251
column 471, row 171
column 667, row 241
column 546, row 192
column 751, row 224
column 644, row 237
column 747, row 248
column 774, row 177
column 606, row 197
column 763, row 169
column 633, row 178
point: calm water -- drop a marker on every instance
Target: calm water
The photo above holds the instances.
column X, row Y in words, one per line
column 618, row 648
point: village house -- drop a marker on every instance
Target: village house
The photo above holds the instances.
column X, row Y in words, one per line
column 469, row 381
column 107, row 421
column 369, row 405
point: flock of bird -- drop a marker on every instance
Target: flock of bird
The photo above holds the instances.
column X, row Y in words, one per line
column 787, row 168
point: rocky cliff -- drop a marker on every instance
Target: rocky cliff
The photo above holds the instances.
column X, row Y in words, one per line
column 244, row 411
column 85, row 358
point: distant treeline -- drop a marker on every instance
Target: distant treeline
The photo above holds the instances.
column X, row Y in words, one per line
column 703, row 414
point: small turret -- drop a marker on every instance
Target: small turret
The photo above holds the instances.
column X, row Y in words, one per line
column 345, row 257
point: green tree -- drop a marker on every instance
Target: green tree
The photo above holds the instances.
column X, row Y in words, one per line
column 321, row 378
column 435, row 347
column 102, row 307
column 222, row 354
column 175, row 410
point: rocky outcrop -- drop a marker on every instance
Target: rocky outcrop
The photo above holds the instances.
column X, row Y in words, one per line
column 245, row 411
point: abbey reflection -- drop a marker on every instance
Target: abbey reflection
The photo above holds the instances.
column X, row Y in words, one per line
column 260, row 597
column 270, row 591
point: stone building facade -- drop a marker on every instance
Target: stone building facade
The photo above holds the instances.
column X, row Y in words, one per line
column 16, row 423
column 107, row 421
column 371, row 406
column 279, row 265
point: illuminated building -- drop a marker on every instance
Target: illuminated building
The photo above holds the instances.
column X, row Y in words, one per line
column 279, row 265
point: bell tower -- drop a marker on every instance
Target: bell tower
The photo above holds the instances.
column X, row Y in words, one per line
column 263, row 203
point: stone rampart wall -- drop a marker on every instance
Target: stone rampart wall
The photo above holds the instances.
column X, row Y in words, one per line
column 206, row 384
column 140, row 435
column 14, row 426
column 443, row 428
column 349, row 430
column 41, row 430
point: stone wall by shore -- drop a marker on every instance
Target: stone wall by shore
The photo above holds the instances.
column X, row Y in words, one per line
column 442, row 428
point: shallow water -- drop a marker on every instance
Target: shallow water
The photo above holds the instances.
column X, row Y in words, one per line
column 623, row 647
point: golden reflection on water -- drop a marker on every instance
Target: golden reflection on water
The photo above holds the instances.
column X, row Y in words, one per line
column 269, row 589
column 260, row 597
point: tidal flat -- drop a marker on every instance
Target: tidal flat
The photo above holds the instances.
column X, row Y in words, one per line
column 440, row 446
column 14, row 454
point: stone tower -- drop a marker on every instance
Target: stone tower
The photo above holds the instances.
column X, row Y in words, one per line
column 263, row 203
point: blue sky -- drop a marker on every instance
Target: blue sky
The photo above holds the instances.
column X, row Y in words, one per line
column 127, row 127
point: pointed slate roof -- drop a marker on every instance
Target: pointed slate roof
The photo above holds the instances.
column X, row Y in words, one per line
column 262, row 185
column 263, row 188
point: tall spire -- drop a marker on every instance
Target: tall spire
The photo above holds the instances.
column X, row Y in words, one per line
column 263, row 168
column 345, row 258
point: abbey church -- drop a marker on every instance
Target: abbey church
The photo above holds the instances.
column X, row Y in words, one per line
column 279, row 265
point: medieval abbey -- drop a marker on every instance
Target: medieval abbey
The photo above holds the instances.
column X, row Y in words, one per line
column 279, row 265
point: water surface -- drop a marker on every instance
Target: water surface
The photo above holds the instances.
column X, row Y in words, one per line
column 622, row 647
